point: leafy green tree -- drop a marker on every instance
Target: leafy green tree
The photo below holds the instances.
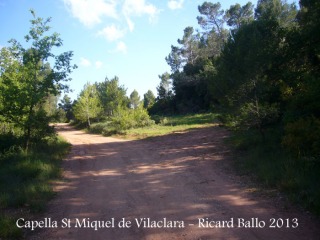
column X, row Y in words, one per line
column 212, row 20
column 250, row 68
column 164, row 101
column 212, row 17
column 191, row 87
column 66, row 105
column 174, row 59
column 27, row 78
column 148, row 99
column 238, row 15
column 188, row 61
column 112, row 95
column 276, row 10
column 301, row 84
column 187, row 52
column 189, row 46
column 134, row 99
column 87, row 106
column 164, row 89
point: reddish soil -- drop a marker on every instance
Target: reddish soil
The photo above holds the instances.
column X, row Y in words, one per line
column 180, row 177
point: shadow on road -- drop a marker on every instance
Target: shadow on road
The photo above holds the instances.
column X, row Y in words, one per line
column 178, row 177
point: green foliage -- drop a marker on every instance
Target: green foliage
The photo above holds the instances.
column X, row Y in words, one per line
column 237, row 15
column 27, row 79
column 134, row 99
column 104, row 128
column 171, row 124
column 276, row 10
column 263, row 75
column 66, row 106
column 25, row 180
column 264, row 159
column 190, row 63
column 250, row 88
column 189, row 46
column 148, row 99
column 124, row 119
column 112, row 95
column 164, row 88
column 193, row 119
column 8, row 228
column 212, row 17
column 50, row 105
column 25, row 176
column 107, row 102
column 88, row 105
column 302, row 137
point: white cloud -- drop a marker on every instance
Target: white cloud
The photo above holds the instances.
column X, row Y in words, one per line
column 121, row 47
column 137, row 8
column 111, row 33
column 90, row 12
column 175, row 4
column 85, row 62
column 130, row 24
column 98, row 64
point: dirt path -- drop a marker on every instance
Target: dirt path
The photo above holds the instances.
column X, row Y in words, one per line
column 176, row 177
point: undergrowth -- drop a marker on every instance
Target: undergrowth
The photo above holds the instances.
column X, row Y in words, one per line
column 25, row 180
column 264, row 158
column 163, row 125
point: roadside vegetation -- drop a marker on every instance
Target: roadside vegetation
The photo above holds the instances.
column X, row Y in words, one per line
column 267, row 162
column 25, row 181
column 30, row 151
column 162, row 125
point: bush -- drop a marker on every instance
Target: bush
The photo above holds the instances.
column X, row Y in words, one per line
column 264, row 158
column 99, row 128
column 25, row 176
column 8, row 229
column 124, row 119
column 302, row 137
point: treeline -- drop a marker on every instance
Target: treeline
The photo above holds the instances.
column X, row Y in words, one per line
column 259, row 66
column 107, row 105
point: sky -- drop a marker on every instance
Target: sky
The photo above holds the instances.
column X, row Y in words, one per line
column 125, row 38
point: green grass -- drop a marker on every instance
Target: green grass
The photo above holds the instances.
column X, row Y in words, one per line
column 271, row 165
column 8, row 229
column 25, row 179
column 172, row 124
column 163, row 125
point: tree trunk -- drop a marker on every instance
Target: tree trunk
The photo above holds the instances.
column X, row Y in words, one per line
column 28, row 129
column 27, row 140
column 89, row 124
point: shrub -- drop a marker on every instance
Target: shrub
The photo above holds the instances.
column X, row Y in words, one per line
column 124, row 119
column 8, row 229
column 302, row 137
column 100, row 128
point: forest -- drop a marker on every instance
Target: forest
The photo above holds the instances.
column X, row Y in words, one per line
column 258, row 67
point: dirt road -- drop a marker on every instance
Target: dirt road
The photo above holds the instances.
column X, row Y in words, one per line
column 175, row 182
